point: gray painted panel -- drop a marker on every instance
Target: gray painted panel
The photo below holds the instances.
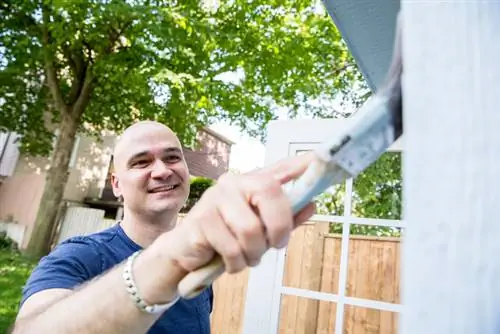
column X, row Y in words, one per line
column 451, row 269
column 368, row 28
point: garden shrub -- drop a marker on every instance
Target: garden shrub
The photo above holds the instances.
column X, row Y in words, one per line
column 6, row 242
column 198, row 186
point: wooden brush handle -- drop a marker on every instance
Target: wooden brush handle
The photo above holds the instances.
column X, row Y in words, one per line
column 196, row 281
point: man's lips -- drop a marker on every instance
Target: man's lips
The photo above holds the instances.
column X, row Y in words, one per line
column 164, row 188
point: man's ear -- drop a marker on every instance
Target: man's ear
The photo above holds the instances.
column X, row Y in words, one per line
column 115, row 183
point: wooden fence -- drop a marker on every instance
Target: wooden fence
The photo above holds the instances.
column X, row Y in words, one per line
column 78, row 220
column 312, row 262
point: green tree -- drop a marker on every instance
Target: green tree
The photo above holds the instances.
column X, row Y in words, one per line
column 88, row 66
column 378, row 191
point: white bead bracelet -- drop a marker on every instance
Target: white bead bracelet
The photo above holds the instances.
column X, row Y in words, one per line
column 134, row 293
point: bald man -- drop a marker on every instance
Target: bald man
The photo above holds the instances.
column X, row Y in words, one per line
column 124, row 279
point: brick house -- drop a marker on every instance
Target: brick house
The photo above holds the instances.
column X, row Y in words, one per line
column 22, row 178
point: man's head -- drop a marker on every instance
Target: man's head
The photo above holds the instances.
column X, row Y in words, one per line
column 150, row 172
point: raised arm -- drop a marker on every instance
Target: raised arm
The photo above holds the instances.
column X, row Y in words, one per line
column 239, row 218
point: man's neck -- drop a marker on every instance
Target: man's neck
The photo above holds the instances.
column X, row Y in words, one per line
column 144, row 231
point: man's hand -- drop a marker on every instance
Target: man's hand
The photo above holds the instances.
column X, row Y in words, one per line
column 239, row 218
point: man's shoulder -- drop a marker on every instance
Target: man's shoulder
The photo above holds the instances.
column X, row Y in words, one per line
column 82, row 251
column 87, row 250
column 93, row 239
column 72, row 262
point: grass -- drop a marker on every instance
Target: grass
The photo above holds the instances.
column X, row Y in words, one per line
column 14, row 271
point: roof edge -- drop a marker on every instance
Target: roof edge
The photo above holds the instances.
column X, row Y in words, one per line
column 218, row 135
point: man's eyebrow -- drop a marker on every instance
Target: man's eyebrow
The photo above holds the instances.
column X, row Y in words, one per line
column 138, row 155
column 144, row 153
column 173, row 149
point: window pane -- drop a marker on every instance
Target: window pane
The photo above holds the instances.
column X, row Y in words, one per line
column 312, row 262
column 374, row 268
column 304, row 316
column 366, row 320
column 377, row 192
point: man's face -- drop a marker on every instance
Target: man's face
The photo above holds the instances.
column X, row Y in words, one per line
column 150, row 171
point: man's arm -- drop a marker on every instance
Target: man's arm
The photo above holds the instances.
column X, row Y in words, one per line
column 41, row 301
column 100, row 306
column 228, row 219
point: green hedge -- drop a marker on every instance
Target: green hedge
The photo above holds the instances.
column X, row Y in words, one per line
column 198, row 186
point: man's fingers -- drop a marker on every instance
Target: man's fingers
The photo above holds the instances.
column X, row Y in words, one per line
column 275, row 212
column 244, row 224
column 287, row 169
column 222, row 240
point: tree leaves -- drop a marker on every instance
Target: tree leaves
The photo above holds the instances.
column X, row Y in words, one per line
column 378, row 191
column 182, row 63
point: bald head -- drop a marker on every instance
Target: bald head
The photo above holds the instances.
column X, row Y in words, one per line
column 142, row 134
column 148, row 156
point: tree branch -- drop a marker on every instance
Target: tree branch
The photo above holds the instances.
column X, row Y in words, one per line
column 85, row 79
column 50, row 69
column 343, row 68
column 84, row 97
column 71, row 61
column 79, row 68
column 89, row 50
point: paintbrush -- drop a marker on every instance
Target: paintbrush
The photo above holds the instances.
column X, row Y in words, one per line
column 370, row 131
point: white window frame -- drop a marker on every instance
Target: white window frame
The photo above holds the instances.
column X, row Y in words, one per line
column 265, row 287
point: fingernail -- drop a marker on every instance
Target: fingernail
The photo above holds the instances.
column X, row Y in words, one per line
column 284, row 241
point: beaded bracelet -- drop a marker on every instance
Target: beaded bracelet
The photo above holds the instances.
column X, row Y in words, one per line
column 134, row 293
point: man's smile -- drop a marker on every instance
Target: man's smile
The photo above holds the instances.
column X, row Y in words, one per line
column 164, row 188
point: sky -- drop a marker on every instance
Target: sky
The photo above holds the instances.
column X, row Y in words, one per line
column 247, row 153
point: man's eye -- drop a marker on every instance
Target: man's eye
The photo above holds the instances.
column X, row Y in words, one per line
column 140, row 163
column 172, row 158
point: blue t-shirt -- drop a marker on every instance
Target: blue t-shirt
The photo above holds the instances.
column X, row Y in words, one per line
column 79, row 259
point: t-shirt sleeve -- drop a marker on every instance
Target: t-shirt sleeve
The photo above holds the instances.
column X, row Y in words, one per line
column 70, row 264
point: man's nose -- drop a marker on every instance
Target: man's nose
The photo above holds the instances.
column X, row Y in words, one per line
column 160, row 170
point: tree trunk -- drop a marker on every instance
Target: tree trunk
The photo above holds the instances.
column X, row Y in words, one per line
column 55, row 184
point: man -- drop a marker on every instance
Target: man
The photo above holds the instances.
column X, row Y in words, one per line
column 110, row 281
